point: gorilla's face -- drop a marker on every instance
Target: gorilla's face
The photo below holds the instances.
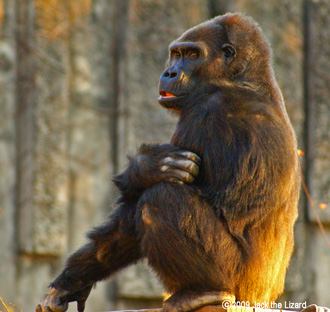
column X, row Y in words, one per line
column 197, row 64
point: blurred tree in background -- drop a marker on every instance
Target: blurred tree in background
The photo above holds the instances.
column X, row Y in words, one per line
column 78, row 91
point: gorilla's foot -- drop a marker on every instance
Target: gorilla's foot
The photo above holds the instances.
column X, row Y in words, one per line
column 189, row 300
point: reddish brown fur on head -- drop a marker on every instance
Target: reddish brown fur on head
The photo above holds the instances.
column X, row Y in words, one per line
column 232, row 53
column 245, row 34
column 253, row 56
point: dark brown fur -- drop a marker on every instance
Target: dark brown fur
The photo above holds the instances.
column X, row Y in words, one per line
column 231, row 230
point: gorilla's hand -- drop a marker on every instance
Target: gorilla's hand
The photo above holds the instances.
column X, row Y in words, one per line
column 54, row 301
column 58, row 300
column 179, row 167
column 157, row 163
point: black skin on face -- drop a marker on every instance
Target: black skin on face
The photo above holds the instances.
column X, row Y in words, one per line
column 185, row 76
column 214, row 226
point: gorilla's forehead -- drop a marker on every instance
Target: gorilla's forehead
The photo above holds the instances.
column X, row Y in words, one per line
column 211, row 33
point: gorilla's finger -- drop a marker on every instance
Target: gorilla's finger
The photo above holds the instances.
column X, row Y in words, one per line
column 176, row 174
column 189, row 155
column 186, row 165
column 180, row 175
column 81, row 305
column 173, row 180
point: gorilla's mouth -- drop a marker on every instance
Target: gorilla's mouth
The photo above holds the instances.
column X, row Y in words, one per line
column 166, row 95
column 170, row 101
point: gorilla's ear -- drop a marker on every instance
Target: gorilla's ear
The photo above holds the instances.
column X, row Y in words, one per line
column 229, row 52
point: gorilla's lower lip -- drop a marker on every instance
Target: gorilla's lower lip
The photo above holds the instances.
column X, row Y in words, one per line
column 165, row 94
column 171, row 102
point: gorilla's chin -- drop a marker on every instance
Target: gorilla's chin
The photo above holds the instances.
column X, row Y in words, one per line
column 171, row 102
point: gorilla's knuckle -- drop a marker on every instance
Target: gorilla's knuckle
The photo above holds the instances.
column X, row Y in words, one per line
column 191, row 156
column 188, row 177
column 185, row 164
column 168, row 160
column 192, row 166
column 195, row 171
column 164, row 168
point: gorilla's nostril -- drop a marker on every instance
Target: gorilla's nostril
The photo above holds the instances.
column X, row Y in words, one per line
column 167, row 74
column 173, row 75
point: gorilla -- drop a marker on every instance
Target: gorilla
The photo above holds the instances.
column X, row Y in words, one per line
column 213, row 211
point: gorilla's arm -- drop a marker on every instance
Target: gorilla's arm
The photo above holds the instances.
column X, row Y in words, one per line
column 111, row 247
column 116, row 244
column 156, row 163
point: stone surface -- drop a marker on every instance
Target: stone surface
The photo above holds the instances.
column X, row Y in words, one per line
column 318, row 256
column 41, row 111
column 320, row 77
column 321, row 273
column 50, row 200
column 7, row 155
column 139, row 282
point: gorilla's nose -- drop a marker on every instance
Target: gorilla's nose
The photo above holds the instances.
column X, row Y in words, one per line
column 171, row 75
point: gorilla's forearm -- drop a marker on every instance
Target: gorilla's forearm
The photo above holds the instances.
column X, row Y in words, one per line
column 154, row 164
column 111, row 247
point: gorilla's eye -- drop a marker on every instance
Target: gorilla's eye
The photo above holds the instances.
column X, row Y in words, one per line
column 175, row 54
column 193, row 54
column 229, row 51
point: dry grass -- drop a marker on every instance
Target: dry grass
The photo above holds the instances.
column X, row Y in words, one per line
column 11, row 308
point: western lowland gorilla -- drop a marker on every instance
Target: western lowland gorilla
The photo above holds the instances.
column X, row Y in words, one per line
column 214, row 226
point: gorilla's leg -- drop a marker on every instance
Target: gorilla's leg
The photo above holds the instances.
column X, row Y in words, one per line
column 188, row 246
